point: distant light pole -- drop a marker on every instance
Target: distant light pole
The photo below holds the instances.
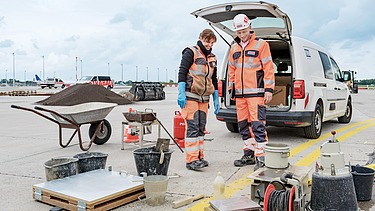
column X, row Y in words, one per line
column 158, row 75
column 175, row 75
column 6, row 76
column 136, row 73
column 166, row 75
column 54, row 74
column 43, row 67
column 81, row 68
column 109, row 69
column 122, row 72
column 14, row 69
column 25, row 77
column 76, row 68
column 147, row 74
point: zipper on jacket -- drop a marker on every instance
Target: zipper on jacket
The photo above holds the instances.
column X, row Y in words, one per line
column 243, row 61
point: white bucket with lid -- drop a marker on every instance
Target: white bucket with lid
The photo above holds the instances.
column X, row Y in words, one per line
column 276, row 156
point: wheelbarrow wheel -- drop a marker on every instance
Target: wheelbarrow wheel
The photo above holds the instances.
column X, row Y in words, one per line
column 103, row 134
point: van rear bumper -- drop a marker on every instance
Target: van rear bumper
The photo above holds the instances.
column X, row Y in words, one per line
column 279, row 118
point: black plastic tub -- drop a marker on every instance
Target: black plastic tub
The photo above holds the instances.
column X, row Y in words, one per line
column 149, row 161
column 90, row 161
column 57, row 168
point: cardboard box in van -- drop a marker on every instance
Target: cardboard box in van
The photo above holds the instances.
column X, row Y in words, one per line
column 279, row 96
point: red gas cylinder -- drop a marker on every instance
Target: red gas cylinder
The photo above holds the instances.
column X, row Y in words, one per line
column 179, row 129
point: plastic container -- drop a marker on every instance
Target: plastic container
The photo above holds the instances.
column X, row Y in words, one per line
column 89, row 161
column 363, row 178
column 149, row 161
column 219, row 187
column 276, row 156
column 155, row 189
column 57, row 168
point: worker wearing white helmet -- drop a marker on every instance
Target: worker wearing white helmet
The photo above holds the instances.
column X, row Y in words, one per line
column 251, row 83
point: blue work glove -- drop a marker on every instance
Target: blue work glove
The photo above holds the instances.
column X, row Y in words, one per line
column 215, row 96
column 181, row 100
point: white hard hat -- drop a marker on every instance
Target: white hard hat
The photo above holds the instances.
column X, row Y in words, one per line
column 241, row 21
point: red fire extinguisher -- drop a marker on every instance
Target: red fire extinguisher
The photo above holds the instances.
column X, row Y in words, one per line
column 179, row 129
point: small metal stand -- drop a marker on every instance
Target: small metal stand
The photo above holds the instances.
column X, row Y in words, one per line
column 142, row 130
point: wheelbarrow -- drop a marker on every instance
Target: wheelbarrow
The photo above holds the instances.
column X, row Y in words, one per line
column 72, row 117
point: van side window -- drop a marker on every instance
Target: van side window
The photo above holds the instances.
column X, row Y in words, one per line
column 104, row 78
column 328, row 73
column 336, row 70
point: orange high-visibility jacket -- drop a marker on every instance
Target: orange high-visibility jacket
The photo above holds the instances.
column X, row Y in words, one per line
column 199, row 79
column 251, row 69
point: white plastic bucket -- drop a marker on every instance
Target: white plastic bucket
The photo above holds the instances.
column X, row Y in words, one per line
column 276, row 156
column 155, row 189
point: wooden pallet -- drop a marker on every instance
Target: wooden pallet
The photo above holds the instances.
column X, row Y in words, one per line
column 104, row 202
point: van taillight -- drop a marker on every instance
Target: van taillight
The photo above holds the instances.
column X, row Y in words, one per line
column 299, row 89
column 220, row 87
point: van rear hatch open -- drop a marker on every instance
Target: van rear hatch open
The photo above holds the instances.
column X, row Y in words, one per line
column 268, row 21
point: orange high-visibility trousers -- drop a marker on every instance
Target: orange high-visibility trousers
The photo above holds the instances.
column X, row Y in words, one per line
column 251, row 115
column 195, row 115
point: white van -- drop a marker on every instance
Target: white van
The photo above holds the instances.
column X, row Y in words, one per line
column 101, row 80
column 309, row 87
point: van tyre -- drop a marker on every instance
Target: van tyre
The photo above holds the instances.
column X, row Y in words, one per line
column 103, row 134
column 232, row 127
column 348, row 113
column 315, row 129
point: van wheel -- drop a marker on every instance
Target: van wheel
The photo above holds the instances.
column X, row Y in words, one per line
column 103, row 134
column 232, row 127
column 63, row 86
column 315, row 129
column 348, row 113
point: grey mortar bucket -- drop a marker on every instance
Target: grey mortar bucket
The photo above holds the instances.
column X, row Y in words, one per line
column 57, row 168
column 89, row 161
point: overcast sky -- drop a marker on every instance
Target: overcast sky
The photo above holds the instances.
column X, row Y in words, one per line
column 103, row 34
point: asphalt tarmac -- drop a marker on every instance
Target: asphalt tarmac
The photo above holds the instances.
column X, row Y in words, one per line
column 27, row 141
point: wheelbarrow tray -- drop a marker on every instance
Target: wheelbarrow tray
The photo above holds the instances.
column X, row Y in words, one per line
column 84, row 113
column 139, row 116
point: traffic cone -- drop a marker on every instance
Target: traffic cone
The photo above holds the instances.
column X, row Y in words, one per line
column 129, row 138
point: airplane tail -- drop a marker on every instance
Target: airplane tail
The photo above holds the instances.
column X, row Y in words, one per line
column 37, row 78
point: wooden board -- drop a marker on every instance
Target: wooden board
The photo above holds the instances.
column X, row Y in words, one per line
column 93, row 190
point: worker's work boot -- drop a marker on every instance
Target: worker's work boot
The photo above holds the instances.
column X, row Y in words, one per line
column 194, row 165
column 205, row 162
column 259, row 163
column 247, row 159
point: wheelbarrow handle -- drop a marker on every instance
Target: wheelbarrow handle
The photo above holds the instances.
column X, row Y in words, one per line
column 34, row 111
column 16, row 107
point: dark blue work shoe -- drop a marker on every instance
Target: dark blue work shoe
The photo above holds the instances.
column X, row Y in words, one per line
column 195, row 165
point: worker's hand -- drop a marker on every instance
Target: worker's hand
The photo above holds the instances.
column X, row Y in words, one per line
column 267, row 97
column 215, row 96
column 181, row 100
column 231, row 91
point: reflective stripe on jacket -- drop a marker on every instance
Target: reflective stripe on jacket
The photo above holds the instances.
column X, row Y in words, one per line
column 199, row 85
column 251, row 69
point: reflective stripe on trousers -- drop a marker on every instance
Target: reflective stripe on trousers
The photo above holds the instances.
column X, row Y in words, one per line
column 195, row 115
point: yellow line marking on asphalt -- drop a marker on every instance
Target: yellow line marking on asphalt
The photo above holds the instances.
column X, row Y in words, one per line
column 243, row 182
column 296, row 150
column 313, row 156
